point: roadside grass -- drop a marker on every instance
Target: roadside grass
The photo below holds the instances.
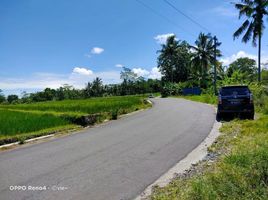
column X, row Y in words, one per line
column 204, row 98
column 23, row 121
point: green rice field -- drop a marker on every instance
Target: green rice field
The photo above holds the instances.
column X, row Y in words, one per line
column 85, row 106
column 13, row 122
column 29, row 120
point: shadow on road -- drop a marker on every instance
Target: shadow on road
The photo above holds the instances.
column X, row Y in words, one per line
column 229, row 117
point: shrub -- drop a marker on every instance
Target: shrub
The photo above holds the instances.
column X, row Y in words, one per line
column 260, row 93
column 114, row 114
column 171, row 89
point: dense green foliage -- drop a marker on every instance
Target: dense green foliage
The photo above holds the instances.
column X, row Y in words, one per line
column 203, row 58
column 246, row 67
column 180, row 62
column 2, row 97
column 11, row 98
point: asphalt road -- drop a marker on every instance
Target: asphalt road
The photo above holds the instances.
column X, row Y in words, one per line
column 114, row 161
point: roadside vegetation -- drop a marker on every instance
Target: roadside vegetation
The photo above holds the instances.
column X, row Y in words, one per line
column 24, row 121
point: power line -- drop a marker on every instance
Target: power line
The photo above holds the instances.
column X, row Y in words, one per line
column 164, row 17
column 191, row 19
column 172, row 22
column 185, row 15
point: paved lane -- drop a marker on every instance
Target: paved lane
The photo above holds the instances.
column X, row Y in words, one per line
column 114, row 161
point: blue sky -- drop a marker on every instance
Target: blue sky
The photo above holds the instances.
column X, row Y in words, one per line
column 46, row 43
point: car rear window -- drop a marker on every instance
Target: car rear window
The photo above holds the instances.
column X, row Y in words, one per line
column 234, row 91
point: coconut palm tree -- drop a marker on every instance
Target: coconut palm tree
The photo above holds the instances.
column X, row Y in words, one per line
column 174, row 59
column 203, row 55
column 254, row 10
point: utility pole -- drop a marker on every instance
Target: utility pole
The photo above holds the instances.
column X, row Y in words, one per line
column 215, row 65
column 259, row 60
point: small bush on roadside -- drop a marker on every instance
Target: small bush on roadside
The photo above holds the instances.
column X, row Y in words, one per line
column 260, row 94
column 114, row 114
column 171, row 89
column 21, row 140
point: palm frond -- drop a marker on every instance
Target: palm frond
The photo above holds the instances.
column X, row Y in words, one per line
column 244, row 9
column 241, row 29
column 248, row 33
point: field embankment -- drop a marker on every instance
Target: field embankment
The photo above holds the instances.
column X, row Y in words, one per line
column 24, row 121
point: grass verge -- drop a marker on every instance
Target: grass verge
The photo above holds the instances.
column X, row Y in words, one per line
column 204, row 98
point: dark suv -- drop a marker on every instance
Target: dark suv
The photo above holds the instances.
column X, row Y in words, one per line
column 235, row 99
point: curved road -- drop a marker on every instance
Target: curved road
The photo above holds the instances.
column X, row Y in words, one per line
column 114, row 161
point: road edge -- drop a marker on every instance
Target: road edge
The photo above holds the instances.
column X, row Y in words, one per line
column 192, row 158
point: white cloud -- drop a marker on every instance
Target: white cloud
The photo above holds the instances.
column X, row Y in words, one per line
column 36, row 81
column 141, row 72
column 40, row 81
column 161, row 39
column 82, row 71
column 154, row 73
column 97, row 50
column 241, row 54
column 119, row 65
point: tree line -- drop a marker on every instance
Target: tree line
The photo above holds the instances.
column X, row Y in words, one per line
column 131, row 85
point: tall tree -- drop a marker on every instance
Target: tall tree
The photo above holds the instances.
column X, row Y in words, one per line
column 203, row 56
column 2, row 97
column 245, row 66
column 128, row 75
column 97, row 87
column 12, row 98
column 253, row 26
column 174, row 60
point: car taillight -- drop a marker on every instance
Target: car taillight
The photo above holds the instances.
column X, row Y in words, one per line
column 219, row 100
column 251, row 98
